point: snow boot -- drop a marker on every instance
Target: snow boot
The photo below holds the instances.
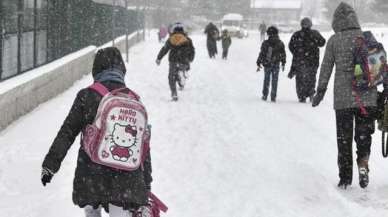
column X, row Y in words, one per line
column 344, row 184
column 363, row 172
column 264, row 98
column 302, row 100
column 364, row 177
column 311, row 97
column 174, row 97
column 273, row 100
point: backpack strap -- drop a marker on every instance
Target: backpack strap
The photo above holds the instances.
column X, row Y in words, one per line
column 99, row 88
column 102, row 90
column 157, row 203
column 131, row 93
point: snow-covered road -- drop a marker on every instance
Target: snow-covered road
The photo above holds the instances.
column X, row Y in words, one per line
column 219, row 151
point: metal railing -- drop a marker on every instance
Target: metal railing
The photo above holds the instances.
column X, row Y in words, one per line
column 35, row 32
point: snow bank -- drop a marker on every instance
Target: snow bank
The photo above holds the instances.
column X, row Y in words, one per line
column 23, row 93
column 277, row 4
column 233, row 17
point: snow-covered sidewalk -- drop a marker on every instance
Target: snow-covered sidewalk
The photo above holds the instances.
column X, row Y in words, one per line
column 218, row 151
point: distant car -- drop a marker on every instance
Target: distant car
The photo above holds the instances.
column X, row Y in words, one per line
column 234, row 24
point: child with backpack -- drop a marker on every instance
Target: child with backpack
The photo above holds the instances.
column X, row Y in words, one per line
column 226, row 42
column 181, row 53
column 114, row 164
column 272, row 54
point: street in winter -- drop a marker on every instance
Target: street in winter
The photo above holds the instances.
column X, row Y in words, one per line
column 249, row 109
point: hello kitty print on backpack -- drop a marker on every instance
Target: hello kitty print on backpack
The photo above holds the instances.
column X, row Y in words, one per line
column 119, row 136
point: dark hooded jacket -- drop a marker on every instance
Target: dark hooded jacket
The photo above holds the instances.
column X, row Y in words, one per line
column 212, row 32
column 96, row 184
column 181, row 49
column 304, row 46
column 226, row 40
column 272, row 52
column 339, row 52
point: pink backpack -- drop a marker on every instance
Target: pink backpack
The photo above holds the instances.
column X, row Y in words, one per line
column 119, row 136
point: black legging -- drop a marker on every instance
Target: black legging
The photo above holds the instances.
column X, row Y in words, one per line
column 364, row 128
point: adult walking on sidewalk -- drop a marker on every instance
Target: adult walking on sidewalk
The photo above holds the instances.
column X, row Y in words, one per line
column 212, row 34
column 349, row 117
column 304, row 46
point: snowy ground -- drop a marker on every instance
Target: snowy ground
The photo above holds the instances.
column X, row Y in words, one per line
column 219, row 151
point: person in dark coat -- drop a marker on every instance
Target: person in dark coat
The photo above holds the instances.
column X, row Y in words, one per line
column 304, row 46
column 262, row 30
column 349, row 117
column 272, row 54
column 182, row 53
column 226, row 42
column 212, row 34
column 96, row 185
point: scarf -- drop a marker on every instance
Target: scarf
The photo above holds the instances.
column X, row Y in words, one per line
column 110, row 75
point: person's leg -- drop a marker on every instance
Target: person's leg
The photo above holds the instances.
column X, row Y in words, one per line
column 364, row 129
column 311, row 81
column 274, row 85
column 299, row 85
column 115, row 211
column 172, row 79
column 91, row 212
column 344, row 119
column 224, row 53
column 267, row 78
column 209, row 50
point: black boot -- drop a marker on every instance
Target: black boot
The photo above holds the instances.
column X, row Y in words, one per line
column 174, row 97
column 344, row 184
column 363, row 177
column 363, row 171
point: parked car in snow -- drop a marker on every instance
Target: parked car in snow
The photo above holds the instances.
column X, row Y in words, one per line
column 234, row 24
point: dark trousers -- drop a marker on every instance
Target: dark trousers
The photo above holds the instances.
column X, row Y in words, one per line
column 225, row 52
column 212, row 47
column 306, row 77
column 271, row 74
column 364, row 127
column 173, row 76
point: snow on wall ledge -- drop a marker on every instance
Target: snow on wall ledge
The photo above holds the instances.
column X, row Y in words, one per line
column 23, row 93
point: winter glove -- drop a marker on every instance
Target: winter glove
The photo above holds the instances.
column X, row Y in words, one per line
column 318, row 97
column 46, row 176
column 290, row 75
column 283, row 68
column 258, row 68
column 143, row 211
column 158, row 62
